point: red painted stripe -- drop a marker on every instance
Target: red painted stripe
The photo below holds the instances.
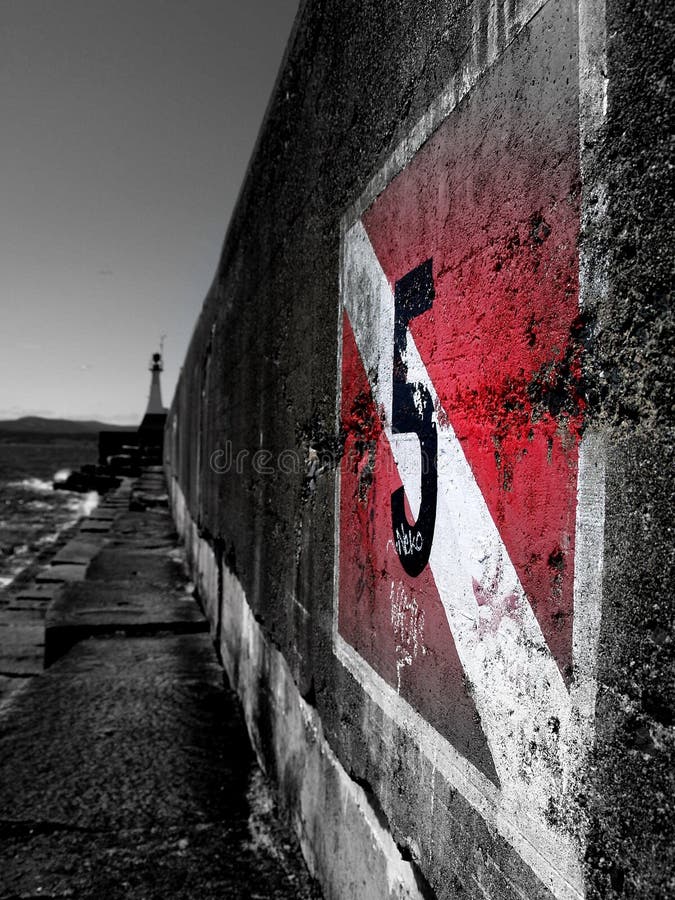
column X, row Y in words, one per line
column 501, row 343
column 433, row 682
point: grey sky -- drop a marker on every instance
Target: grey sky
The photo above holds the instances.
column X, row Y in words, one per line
column 127, row 126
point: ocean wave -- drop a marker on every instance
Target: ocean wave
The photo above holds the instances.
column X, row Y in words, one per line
column 33, row 484
column 84, row 505
column 38, row 504
column 23, row 555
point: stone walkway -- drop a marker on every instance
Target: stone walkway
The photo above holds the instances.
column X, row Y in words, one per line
column 125, row 768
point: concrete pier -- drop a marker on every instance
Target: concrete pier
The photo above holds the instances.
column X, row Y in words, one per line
column 125, row 767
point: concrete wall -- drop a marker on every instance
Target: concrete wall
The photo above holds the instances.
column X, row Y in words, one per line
column 420, row 450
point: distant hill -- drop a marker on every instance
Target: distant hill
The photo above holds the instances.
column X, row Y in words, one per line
column 39, row 425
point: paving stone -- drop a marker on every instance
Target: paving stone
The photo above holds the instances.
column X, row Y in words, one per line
column 105, row 515
column 29, row 610
column 79, row 551
column 43, row 592
column 100, row 527
column 100, row 607
column 26, row 603
column 60, row 573
column 156, row 567
column 21, row 647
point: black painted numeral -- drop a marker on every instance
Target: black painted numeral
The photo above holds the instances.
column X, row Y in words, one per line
column 412, row 412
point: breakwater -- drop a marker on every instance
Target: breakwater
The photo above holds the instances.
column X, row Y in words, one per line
column 419, row 450
column 125, row 769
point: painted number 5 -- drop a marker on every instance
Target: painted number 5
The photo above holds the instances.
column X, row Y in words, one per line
column 412, row 410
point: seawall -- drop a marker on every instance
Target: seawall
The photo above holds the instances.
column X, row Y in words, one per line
column 420, row 452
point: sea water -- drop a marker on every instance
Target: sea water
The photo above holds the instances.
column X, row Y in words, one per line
column 32, row 513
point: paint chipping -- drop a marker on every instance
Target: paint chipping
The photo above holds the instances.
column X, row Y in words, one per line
column 493, row 606
column 407, row 620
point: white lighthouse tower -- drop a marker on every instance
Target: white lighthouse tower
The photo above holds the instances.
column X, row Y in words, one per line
column 151, row 431
column 155, row 405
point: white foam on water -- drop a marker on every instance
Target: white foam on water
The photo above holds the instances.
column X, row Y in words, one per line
column 85, row 505
column 38, row 504
column 33, row 484
column 55, row 514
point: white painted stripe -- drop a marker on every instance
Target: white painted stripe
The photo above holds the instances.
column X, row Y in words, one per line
column 515, row 681
column 588, row 564
column 593, row 285
column 540, row 850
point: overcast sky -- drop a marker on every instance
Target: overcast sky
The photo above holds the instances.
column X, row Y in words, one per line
column 126, row 127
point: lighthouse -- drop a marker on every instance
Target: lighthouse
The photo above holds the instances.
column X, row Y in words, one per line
column 155, row 407
column 151, row 431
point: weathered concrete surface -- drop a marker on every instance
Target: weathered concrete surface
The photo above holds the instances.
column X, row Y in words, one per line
column 41, row 592
column 22, row 643
column 631, row 784
column 78, row 551
column 135, row 583
column 342, row 829
column 105, row 514
column 22, row 614
column 108, row 608
column 125, row 772
column 149, row 531
column 125, row 768
column 10, row 686
column 142, row 566
column 115, row 606
column 364, row 89
column 58, row 573
column 30, row 609
column 93, row 527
